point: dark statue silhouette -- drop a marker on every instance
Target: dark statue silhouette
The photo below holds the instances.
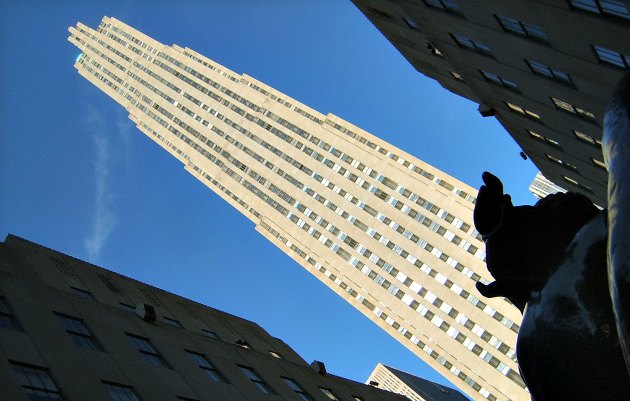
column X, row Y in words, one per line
column 566, row 266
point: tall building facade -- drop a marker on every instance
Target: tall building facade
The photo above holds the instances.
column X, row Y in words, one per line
column 69, row 331
column 542, row 187
column 545, row 69
column 413, row 387
column 388, row 233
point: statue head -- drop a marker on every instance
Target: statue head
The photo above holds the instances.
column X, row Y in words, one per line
column 524, row 244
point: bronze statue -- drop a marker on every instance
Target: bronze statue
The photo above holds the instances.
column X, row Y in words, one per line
column 566, row 266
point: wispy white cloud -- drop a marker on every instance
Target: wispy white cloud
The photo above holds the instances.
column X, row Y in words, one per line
column 104, row 218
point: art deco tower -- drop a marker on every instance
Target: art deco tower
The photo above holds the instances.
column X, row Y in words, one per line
column 384, row 230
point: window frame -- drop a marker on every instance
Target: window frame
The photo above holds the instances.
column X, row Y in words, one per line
column 465, row 42
column 172, row 322
column 499, row 80
column 562, row 163
column 448, row 6
column 602, row 54
column 548, row 72
column 208, row 367
column 129, row 392
column 255, row 378
column 329, row 393
column 7, row 315
column 544, row 139
column 576, row 111
column 577, row 184
column 523, row 111
column 210, row 334
column 293, row 385
column 148, row 350
column 32, row 389
column 586, row 138
column 80, row 333
column 81, row 293
column 524, row 30
column 596, row 8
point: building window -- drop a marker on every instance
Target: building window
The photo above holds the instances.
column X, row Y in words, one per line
column 542, row 138
column 7, row 317
column 434, row 50
column 411, row 23
column 521, row 28
column 612, row 57
column 82, row 293
column 172, row 322
column 144, row 346
column 562, row 105
column 524, row 112
column 613, row 8
column 577, row 184
column 456, row 75
column 494, row 78
column 275, row 354
column 37, row 382
column 446, row 5
column 546, row 71
column 471, row 44
column 560, row 162
column 298, row 390
column 599, row 163
column 207, row 367
column 329, row 394
column 119, row 392
column 253, row 376
column 587, row 138
column 81, row 335
column 210, row 334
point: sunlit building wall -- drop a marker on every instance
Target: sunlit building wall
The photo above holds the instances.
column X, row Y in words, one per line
column 413, row 387
column 542, row 187
column 545, row 69
column 387, row 232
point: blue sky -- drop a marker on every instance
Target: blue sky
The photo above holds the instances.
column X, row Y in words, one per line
column 76, row 176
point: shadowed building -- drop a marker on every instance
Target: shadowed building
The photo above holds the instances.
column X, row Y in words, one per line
column 69, row 331
column 544, row 69
column 387, row 232
column 413, row 387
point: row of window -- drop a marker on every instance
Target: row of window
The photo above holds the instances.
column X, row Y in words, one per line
column 488, row 358
column 610, row 8
column 603, row 55
column 38, row 383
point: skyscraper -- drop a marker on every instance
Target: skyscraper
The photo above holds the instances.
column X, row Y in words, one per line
column 544, row 69
column 413, row 387
column 384, row 230
column 542, row 187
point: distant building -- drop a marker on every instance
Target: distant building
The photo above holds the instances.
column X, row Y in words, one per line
column 544, row 69
column 542, row 187
column 412, row 387
column 384, row 230
column 69, row 330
